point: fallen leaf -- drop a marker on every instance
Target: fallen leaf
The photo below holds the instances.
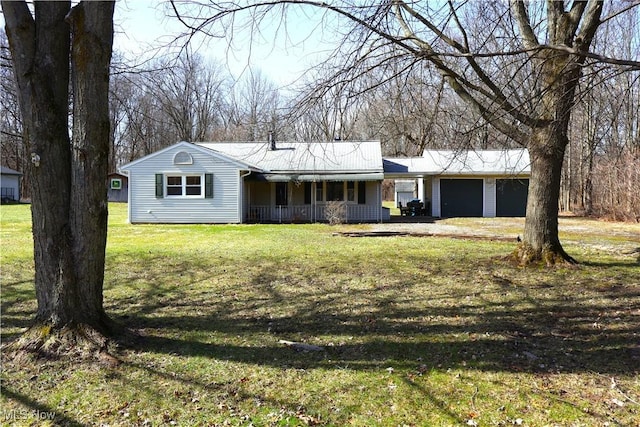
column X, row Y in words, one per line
column 615, row 401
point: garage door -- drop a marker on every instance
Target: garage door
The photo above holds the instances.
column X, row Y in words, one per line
column 511, row 197
column 460, row 197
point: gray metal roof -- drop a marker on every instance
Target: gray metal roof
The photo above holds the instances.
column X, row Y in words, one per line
column 8, row 171
column 472, row 162
column 305, row 158
column 405, row 186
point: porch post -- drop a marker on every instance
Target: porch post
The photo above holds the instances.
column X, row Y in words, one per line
column 313, row 201
column 421, row 188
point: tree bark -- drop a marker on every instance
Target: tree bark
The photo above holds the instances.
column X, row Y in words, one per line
column 68, row 186
column 92, row 32
column 541, row 241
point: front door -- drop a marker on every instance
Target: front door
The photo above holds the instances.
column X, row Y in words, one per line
column 282, row 194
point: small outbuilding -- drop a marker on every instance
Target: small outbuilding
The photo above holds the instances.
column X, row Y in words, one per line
column 10, row 185
column 117, row 187
column 405, row 191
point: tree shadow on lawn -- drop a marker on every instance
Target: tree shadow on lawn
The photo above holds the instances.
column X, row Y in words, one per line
column 36, row 413
column 492, row 325
column 546, row 331
column 551, row 326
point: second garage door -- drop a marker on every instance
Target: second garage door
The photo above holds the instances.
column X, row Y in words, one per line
column 461, row 197
column 511, row 197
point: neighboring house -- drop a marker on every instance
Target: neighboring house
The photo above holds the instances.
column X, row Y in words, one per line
column 482, row 183
column 9, row 185
column 256, row 182
column 117, row 187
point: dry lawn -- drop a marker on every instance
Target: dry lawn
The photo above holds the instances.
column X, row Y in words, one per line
column 416, row 331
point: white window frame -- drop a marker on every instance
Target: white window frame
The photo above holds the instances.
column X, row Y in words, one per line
column 183, row 185
column 345, row 192
column 115, row 184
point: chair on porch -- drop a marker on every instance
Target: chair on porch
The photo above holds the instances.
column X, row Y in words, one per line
column 404, row 210
column 415, row 207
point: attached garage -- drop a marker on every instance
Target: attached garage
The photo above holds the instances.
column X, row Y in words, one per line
column 511, row 197
column 477, row 183
column 461, row 197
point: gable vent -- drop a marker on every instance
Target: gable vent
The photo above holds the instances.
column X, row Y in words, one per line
column 182, row 158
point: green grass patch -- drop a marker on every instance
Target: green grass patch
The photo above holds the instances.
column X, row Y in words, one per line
column 425, row 331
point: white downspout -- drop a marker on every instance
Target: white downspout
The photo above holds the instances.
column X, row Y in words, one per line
column 379, row 191
column 128, row 194
column 241, row 201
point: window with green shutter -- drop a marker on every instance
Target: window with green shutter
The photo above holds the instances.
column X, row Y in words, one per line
column 159, row 186
column 184, row 186
column 208, row 186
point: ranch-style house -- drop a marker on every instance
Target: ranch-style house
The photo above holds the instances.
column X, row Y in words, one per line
column 239, row 182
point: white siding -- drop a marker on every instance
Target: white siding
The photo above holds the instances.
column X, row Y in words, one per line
column 12, row 182
column 435, row 192
column 489, row 196
column 373, row 190
column 224, row 207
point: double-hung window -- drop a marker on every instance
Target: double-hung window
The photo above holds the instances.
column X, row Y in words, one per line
column 347, row 191
column 335, row 191
column 193, row 186
column 184, row 185
column 351, row 191
column 174, row 186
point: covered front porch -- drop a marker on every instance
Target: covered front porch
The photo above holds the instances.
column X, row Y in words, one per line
column 314, row 201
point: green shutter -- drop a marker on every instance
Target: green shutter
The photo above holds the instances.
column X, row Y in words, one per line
column 159, row 186
column 208, row 186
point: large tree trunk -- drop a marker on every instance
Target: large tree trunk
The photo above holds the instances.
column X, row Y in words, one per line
column 92, row 32
column 541, row 241
column 69, row 199
column 549, row 139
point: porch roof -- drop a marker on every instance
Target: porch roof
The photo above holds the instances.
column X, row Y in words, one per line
column 8, row 171
column 472, row 162
column 290, row 177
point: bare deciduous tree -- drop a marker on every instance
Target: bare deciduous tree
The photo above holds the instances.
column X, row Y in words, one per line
column 189, row 93
column 603, row 155
column 251, row 109
column 164, row 102
column 518, row 65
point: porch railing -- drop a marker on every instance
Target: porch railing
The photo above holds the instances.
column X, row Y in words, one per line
column 311, row 213
column 7, row 193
